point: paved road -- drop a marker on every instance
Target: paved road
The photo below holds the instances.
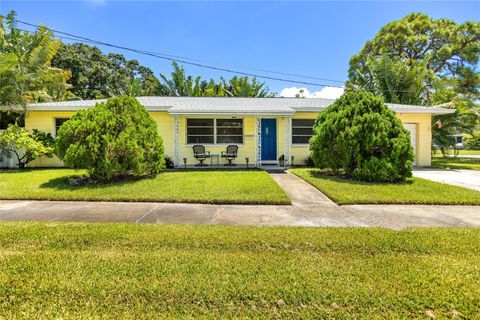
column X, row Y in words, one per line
column 464, row 178
column 309, row 208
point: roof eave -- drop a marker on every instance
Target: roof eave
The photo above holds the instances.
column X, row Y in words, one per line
column 423, row 111
column 236, row 113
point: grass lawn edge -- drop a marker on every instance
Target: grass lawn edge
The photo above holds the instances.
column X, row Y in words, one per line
column 180, row 201
column 109, row 192
column 341, row 202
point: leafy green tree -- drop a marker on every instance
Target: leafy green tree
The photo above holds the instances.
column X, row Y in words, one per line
column 448, row 94
column 111, row 140
column 96, row 75
column 25, row 146
column 425, row 61
column 360, row 137
column 26, row 72
column 45, row 138
column 447, row 48
column 472, row 141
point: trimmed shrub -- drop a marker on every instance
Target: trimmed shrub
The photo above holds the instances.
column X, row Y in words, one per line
column 112, row 139
column 358, row 136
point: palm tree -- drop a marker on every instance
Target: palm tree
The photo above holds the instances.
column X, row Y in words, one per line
column 182, row 85
column 242, row 87
column 395, row 81
column 26, row 74
column 188, row 86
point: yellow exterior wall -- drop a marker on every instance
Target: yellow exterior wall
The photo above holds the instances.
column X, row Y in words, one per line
column 302, row 152
column 165, row 130
column 424, row 136
column 45, row 121
column 245, row 150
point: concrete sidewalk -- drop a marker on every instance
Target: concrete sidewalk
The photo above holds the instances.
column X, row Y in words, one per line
column 458, row 177
column 309, row 208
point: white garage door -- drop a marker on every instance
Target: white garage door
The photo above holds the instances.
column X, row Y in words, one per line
column 412, row 127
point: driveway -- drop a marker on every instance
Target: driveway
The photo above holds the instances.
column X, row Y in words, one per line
column 309, row 208
column 464, row 178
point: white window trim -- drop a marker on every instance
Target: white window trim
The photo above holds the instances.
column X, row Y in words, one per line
column 214, row 132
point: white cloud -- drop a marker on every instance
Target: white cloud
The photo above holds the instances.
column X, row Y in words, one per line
column 293, row 91
column 329, row 93
column 326, row 92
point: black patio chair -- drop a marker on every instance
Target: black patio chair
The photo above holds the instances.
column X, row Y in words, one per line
column 200, row 154
column 230, row 154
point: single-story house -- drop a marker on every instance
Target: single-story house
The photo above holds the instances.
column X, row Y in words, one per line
column 264, row 129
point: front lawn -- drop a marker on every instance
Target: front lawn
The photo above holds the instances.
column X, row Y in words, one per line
column 461, row 152
column 456, row 163
column 128, row 271
column 236, row 186
column 414, row 191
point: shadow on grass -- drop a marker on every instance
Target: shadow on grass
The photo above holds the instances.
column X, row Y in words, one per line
column 81, row 182
column 319, row 174
column 455, row 163
column 16, row 170
column 66, row 182
column 220, row 169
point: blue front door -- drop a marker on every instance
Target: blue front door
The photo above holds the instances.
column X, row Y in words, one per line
column 269, row 139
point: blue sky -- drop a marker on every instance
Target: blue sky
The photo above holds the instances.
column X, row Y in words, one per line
column 315, row 38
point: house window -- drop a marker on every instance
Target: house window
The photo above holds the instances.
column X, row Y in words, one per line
column 211, row 131
column 302, row 130
column 200, row 131
column 229, row 130
column 58, row 123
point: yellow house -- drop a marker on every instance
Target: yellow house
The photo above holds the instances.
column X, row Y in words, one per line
column 264, row 129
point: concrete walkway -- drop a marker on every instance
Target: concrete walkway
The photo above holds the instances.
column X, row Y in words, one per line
column 463, row 178
column 471, row 156
column 309, row 208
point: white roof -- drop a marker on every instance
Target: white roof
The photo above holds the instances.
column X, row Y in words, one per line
column 228, row 105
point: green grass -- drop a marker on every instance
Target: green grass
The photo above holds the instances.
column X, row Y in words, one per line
column 236, row 186
column 413, row 191
column 456, row 163
column 461, row 152
column 128, row 271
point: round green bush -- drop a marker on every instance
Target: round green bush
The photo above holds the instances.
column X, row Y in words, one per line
column 112, row 139
column 358, row 136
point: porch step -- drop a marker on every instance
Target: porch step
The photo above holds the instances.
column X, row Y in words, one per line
column 272, row 168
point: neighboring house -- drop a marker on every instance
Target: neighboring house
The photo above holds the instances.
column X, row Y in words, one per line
column 264, row 129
